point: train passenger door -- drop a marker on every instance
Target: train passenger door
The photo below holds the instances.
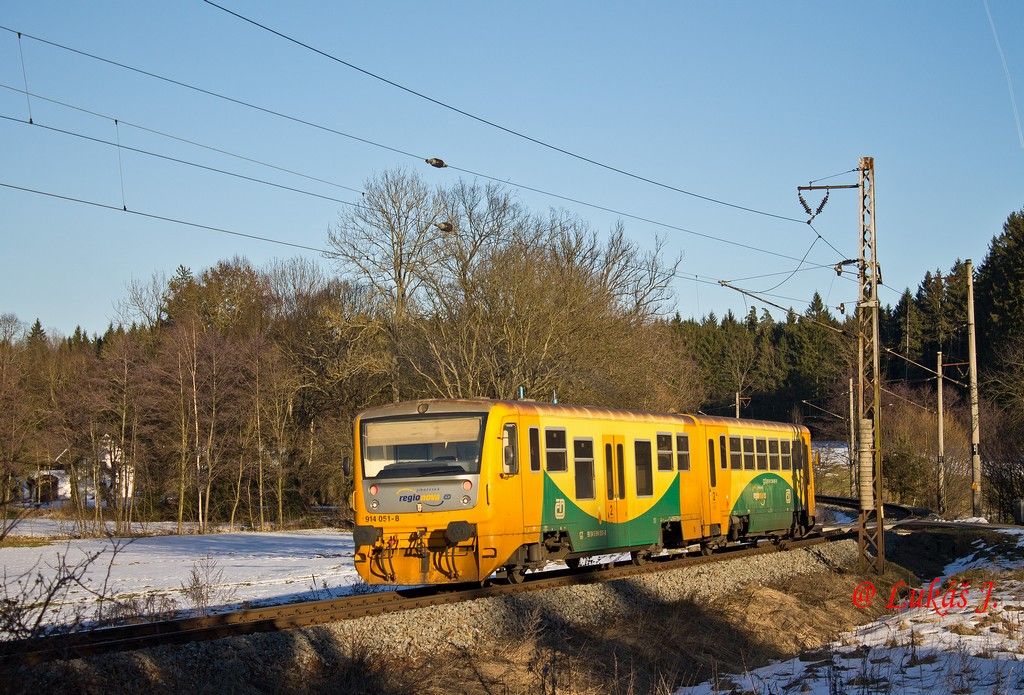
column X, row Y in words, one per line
column 719, row 481
column 507, row 494
column 614, row 490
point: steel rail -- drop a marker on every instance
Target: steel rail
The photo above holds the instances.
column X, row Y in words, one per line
column 296, row 615
column 899, row 511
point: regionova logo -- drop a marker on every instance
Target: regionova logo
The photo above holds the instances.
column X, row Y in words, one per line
column 432, row 497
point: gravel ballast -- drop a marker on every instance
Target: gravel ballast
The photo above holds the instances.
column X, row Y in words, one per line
column 277, row 661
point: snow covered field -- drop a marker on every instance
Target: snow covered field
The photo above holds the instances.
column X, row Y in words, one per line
column 243, row 568
column 916, row 651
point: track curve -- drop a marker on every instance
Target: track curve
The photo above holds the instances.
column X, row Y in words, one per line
column 306, row 614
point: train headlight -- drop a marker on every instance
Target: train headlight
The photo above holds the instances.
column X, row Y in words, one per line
column 467, row 485
column 374, row 504
column 465, row 499
column 374, row 489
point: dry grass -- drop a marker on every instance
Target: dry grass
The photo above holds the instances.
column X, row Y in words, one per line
column 24, row 542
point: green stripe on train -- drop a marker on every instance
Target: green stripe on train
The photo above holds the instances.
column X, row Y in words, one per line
column 769, row 500
column 588, row 533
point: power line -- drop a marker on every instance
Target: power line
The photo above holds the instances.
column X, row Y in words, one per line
column 179, row 138
column 784, row 272
column 622, row 213
column 177, row 160
column 833, row 176
column 493, row 124
column 208, row 92
column 335, row 131
column 164, row 218
column 795, row 270
column 707, row 280
column 271, row 240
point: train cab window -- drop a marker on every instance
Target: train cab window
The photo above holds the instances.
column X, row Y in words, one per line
column 644, row 474
column 683, row 452
column 762, row 454
column 773, row 454
column 722, row 451
column 784, row 447
column 534, row 449
column 735, row 454
column 510, row 450
column 583, row 466
column 748, row 453
column 664, row 452
column 554, row 450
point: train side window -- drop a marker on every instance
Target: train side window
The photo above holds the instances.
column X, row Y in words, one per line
column 510, row 450
column 762, row 454
column 534, row 449
column 620, row 456
column 664, row 452
column 748, row 453
column 799, row 455
column 683, row 452
column 773, row 454
column 735, row 454
column 723, row 453
column 644, row 474
column 583, row 465
column 784, row 447
column 554, row 450
column 609, row 476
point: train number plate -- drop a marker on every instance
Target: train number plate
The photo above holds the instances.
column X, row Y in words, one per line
column 381, row 518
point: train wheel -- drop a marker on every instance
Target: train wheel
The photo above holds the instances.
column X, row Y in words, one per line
column 706, row 549
column 639, row 557
column 515, row 574
column 572, row 563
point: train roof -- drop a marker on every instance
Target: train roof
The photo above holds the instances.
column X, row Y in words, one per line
column 468, row 405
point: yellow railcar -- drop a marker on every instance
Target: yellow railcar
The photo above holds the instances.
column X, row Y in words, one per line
column 452, row 491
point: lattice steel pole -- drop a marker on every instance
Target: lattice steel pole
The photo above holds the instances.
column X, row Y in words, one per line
column 871, row 530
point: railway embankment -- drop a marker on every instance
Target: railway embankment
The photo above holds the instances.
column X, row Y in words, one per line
column 646, row 633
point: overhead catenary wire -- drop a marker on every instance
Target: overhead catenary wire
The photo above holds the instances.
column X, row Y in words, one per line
column 211, row 93
column 178, row 160
column 359, row 139
column 272, row 240
column 494, row 124
column 179, row 138
column 329, row 129
column 789, row 277
column 906, row 400
column 684, row 276
column 165, row 218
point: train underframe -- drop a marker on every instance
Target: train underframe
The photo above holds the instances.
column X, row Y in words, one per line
column 556, row 546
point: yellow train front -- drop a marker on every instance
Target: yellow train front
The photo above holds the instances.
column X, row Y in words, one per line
column 450, row 491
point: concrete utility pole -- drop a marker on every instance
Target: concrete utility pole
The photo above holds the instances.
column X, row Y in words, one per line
column 853, row 449
column 972, row 356
column 941, row 482
column 737, row 405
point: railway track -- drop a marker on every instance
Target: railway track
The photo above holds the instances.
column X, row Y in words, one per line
column 306, row 614
column 896, row 511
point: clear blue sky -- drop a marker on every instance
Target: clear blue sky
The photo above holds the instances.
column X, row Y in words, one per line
column 737, row 101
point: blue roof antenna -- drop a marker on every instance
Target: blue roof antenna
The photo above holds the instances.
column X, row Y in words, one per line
column 554, row 397
column 521, row 393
